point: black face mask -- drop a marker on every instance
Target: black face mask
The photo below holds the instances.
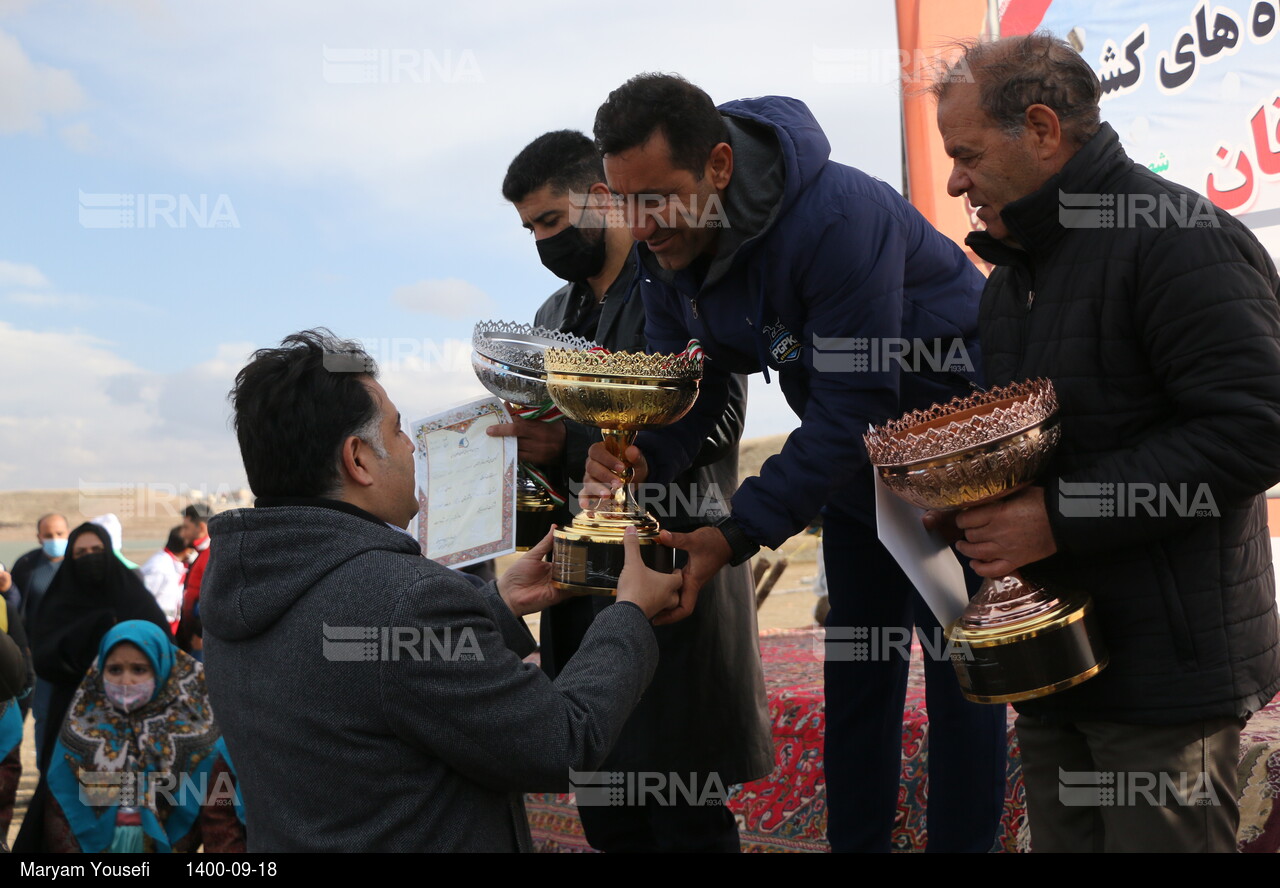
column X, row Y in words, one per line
column 90, row 570
column 571, row 255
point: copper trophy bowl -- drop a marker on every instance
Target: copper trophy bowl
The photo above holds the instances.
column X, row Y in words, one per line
column 508, row 360
column 1020, row 640
column 621, row 393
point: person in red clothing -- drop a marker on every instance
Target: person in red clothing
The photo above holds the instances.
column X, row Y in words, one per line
column 195, row 531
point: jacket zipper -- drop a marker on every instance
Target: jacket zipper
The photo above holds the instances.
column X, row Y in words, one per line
column 706, row 328
column 1026, row 322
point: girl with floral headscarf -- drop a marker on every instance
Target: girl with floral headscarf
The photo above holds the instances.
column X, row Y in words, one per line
column 139, row 764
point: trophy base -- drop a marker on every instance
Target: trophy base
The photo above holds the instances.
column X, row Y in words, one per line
column 591, row 567
column 1009, row 660
column 532, row 524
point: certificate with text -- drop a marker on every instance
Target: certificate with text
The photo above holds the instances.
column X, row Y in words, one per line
column 465, row 484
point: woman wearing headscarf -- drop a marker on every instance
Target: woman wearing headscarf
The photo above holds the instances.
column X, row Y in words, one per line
column 91, row 593
column 139, row 764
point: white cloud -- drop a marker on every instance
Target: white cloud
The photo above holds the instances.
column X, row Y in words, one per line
column 80, row 137
column 27, row 285
column 81, row 415
column 76, row 412
column 39, row 300
column 450, row 298
column 30, row 92
column 425, row 378
column 15, row 274
column 447, row 99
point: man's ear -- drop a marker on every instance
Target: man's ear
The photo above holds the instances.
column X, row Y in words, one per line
column 1044, row 126
column 599, row 203
column 720, row 166
column 601, row 196
column 353, row 468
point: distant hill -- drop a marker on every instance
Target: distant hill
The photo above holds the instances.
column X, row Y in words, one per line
column 146, row 518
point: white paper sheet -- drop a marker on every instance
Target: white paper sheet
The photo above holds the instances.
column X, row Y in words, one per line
column 924, row 556
column 466, row 484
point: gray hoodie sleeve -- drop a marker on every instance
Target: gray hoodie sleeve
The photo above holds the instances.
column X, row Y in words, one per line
column 503, row 723
column 515, row 633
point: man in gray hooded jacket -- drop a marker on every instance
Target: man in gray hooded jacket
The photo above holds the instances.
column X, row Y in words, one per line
column 373, row 700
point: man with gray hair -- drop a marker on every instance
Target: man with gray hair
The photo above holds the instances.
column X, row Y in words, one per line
column 1161, row 335
column 372, row 699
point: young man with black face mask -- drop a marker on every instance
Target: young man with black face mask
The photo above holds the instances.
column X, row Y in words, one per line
column 705, row 713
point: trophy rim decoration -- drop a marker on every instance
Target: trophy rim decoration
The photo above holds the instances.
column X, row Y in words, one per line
column 494, row 340
column 623, row 391
column 508, row 359
column 620, row 393
column 974, row 449
column 1022, row 640
column 947, row 434
column 635, row 368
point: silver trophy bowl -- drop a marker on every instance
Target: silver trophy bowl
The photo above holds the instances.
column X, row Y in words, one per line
column 508, row 359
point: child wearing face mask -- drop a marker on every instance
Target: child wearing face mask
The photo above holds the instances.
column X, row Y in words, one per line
column 140, row 765
column 90, row 593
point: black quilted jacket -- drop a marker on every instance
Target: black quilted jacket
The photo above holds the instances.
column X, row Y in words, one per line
column 1163, row 340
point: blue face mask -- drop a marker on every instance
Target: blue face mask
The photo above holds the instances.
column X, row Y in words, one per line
column 54, row 548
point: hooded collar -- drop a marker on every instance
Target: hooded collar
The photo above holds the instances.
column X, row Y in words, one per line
column 778, row 147
column 267, row 502
column 1033, row 220
column 268, row 558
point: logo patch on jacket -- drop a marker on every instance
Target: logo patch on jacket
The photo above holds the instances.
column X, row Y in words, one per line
column 783, row 345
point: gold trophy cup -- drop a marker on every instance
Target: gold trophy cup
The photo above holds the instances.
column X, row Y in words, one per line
column 1022, row 639
column 508, row 360
column 621, row 393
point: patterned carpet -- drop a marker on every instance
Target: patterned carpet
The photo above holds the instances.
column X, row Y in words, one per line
column 786, row 812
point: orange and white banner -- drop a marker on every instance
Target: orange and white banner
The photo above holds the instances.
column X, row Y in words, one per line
column 1191, row 86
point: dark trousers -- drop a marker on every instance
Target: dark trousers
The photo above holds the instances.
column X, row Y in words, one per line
column 1104, row 786
column 865, row 696
column 661, row 828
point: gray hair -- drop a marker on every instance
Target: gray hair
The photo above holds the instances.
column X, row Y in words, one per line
column 1017, row 72
column 371, row 433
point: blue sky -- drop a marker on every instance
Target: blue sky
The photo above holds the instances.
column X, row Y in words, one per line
column 370, row 207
